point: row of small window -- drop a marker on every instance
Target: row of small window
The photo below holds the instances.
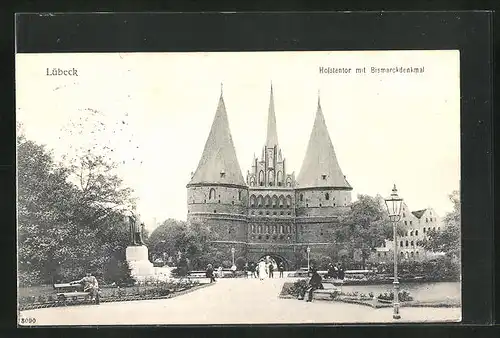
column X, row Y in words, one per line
column 327, row 197
column 424, row 229
column 272, row 229
column 274, row 213
column 426, row 220
column 271, row 179
column 412, row 254
column 274, row 237
column 406, row 242
column 268, row 201
column 212, row 194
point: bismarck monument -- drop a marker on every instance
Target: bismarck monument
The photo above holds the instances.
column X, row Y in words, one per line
column 137, row 253
column 271, row 213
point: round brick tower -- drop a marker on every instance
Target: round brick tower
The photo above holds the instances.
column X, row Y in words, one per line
column 217, row 195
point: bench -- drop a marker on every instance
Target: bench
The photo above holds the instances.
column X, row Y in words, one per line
column 201, row 280
column 326, row 294
column 74, row 292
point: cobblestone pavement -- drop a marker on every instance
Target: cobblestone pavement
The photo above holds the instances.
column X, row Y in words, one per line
column 232, row 301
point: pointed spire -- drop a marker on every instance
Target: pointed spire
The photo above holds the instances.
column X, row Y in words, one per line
column 219, row 163
column 320, row 167
column 272, row 134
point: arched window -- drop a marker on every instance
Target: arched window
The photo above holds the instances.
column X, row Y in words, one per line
column 211, row 194
column 289, row 229
column 301, row 197
column 275, row 229
column 270, row 176
column 401, row 243
column 289, row 182
column 260, row 201
column 267, row 228
column 267, row 201
column 252, row 182
column 412, row 243
column 279, row 178
column 406, row 243
column 275, row 201
column 239, row 195
column 282, row 229
column 252, row 201
column 327, row 196
column 261, row 178
column 260, row 229
column 411, row 233
column 416, row 232
column 288, row 201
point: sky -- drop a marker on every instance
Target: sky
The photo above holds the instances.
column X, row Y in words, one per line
column 156, row 109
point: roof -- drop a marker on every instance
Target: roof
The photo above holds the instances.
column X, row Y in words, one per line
column 419, row 213
column 320, row 167
column 272, row 134
column 218, row 163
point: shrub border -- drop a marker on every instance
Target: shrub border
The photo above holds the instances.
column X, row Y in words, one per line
column 36, row 306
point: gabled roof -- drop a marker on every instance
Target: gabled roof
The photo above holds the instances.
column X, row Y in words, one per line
column 419, row 213
column 320, row 167
column 272, row 134
column 218, row 163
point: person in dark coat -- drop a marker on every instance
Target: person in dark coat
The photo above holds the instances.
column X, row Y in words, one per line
column 271, row 270
column 341, row 272
column 210, row 273
column 314, row 284
column 281, row 268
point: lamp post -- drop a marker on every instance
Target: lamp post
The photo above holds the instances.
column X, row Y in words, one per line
column 232, row 252
column 308, row 266
column 394, row 203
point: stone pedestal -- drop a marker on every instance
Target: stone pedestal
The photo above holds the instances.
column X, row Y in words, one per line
column 137, row 257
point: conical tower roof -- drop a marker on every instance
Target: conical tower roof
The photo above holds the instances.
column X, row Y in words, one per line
column 272, row 134
column 218, row 163
column 320, row 167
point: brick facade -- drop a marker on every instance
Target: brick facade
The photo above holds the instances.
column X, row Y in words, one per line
column 270, row 213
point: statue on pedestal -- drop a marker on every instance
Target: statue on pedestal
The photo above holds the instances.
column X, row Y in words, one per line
column 135, row 231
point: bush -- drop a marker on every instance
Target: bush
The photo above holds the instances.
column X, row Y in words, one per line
column 403, row 296
column 240, row 263
column 119, row 272
column 29, row 278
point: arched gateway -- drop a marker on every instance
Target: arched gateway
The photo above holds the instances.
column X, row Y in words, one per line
column 276, row 259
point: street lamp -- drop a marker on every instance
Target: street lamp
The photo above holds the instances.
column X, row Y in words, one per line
column 394, row 203
column 308, row 266
column 232, row 252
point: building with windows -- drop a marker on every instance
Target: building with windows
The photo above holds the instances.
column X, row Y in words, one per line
column 271, row 212
column 416, row 225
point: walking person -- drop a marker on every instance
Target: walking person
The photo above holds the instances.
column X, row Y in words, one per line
column 281, row 268
column 262, row 270
column 340, row 272
column 210, row 273
column 245, row 270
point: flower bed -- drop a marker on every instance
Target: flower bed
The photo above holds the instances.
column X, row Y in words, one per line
column 145, row 292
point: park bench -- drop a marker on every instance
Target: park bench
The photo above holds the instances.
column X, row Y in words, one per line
column 73, row 292
column 328, row 292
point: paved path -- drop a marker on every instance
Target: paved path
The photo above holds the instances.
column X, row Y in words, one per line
column 231, row 301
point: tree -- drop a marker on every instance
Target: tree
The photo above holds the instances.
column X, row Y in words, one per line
column 447, row 240
column 65, row 228
column 364, row 227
